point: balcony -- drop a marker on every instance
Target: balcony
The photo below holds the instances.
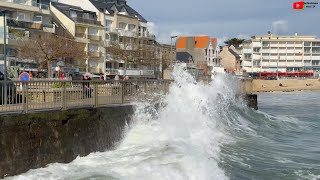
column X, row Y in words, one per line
column 94, row 54
column 136, row 72
column 110, row 71
column 24, row 24
column 80, row 35
column 24, row 4
column 94, row 37
column 86, row 21
column 147, row 35
column 50, row 28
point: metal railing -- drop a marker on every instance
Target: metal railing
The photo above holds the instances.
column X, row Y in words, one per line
column 28, row 3
column 94, row 37
column 33, row 96
column 94, row 54
column 24, row 24
column 86, row 21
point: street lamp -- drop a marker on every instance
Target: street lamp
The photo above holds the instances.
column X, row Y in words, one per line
column 3, row 13
column 278, row 67
column 171, row 49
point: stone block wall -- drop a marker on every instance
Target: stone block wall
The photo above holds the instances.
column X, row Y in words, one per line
column 29, row 141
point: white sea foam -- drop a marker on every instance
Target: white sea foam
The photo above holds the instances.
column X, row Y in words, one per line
column 180, row 140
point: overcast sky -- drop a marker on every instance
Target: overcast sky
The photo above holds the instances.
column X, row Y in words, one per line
column 227, row 18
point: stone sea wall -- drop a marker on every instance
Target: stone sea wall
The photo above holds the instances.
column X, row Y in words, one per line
column 29, row 141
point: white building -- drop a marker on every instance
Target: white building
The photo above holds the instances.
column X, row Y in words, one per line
column 283, row 53
column 121, row 24
column 24, row 19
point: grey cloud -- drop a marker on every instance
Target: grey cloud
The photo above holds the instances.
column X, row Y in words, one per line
column 227, row 18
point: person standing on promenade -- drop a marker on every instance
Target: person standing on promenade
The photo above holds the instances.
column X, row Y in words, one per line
column 86, row 86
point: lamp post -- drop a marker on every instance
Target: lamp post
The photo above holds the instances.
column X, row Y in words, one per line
column 3, row 13
column 171, row 57
column 277, row 67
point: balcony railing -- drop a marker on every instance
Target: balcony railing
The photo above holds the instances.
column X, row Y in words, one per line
column 28, row 3
column 110, row 71
column 136, row 72
column 80, row 34
column 147, row 35
column 94, row 37
column 94, row 54
column 124, row 32
column 86, row 21
column 24, row 24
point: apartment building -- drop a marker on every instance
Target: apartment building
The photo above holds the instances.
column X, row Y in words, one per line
column 281, row 53
column 203, row 49
column 168, row 54
column 230, row 59
column 24, row 19
column 125, row 26
column 83, row 26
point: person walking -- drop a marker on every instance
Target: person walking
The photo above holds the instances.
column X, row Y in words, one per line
column 87, row 90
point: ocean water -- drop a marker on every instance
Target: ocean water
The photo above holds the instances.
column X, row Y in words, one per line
column 203, row 132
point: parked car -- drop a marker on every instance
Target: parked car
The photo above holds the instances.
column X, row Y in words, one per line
column 11, row 91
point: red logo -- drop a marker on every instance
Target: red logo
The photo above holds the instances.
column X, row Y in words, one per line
column 298, row 5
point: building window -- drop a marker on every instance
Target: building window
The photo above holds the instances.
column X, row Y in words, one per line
column 307, row 43
column 73, row 14
column 132, row 27
column 113, row 37
column 37, row 18
column 256, row 62
column 316, row 44
column 122, row 25
column 93, row 47
column 247, row 56
column 316, row 50
column 108, row 65
column 266, row 44
column 21, row 16
column 92, row 31
column 307, row 50
column 256, row 49
column 108, row 25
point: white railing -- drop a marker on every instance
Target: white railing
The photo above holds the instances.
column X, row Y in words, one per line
column 136, row 72
column 44, row 95
column 28, row 3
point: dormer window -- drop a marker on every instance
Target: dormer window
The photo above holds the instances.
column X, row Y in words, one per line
column 132, row 27
column 122, row 25
column 73, row 14
column 114, row 9
column 123, row 11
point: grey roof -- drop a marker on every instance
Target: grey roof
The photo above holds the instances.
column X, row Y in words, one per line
column 102, row 5
column 184, row 57
column 234, row 53
column 65, row 9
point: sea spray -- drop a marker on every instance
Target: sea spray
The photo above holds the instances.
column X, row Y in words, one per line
column 181, row 138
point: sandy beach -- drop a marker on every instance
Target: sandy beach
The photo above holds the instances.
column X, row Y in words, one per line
column 285, row 85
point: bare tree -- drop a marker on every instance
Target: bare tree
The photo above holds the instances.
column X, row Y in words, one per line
column 131, row 51
column 46, row 48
